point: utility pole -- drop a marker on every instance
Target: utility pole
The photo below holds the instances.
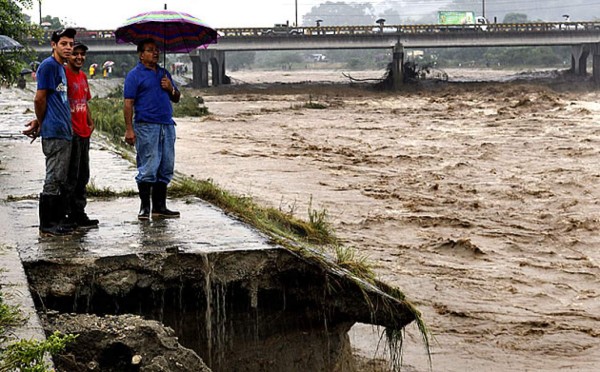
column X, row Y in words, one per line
column 483, row 8
column 40, row 2
column 296, row 13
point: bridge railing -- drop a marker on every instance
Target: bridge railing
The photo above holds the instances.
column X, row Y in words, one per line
column 251, row 32
column 409, row 29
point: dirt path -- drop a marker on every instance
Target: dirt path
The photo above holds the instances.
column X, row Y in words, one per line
column 478, row 201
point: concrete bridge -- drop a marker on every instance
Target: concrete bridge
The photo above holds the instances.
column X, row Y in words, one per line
column 583, row 37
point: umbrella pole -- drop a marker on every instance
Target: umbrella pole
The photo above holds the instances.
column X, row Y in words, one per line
column 165, row 43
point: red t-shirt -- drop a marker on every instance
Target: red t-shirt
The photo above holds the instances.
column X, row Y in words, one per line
column 79, row 94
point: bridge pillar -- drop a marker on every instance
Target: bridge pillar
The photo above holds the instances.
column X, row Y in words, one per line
column 595, row 50
column 199, row 72
column 579, row 54
column 200, row 62
column 398, row 66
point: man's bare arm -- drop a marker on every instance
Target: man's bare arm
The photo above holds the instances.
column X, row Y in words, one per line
column 128, row 114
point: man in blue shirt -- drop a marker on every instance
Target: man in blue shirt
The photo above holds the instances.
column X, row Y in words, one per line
column 148, row 92
column 53, row 113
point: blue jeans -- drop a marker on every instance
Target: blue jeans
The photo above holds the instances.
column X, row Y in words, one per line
column 155, row 147
column 58, row 155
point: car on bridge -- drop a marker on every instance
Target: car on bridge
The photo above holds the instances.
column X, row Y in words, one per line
column 283, row 29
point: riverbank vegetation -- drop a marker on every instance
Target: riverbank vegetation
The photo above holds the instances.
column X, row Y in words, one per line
column 25, row 355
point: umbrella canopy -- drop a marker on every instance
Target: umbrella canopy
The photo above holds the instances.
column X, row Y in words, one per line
column 172, row 31
column 25, row 71
column 108, row 63
column 9, row 44
column 94, row 65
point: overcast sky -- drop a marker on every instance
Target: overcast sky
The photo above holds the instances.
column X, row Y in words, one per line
column 109, row 14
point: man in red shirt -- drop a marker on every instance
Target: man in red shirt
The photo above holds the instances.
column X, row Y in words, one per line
column 83, row 126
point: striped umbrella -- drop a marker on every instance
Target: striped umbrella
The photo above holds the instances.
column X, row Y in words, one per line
column 172, row 31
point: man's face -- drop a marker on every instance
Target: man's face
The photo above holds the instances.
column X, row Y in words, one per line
column 77, row 59
column 149, row 55
column 63, row 48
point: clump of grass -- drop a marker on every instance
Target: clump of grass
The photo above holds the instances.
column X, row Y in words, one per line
column 25, row 355
column 10, row 316
column 395, row 336
column 13, row 198
column 316, row 230
column 106, row 192
column 28, row 355
column 318, row 218
column 116, row 93
column 314, row 105
column 349, row 259
column 190, row 106
column 107, row 114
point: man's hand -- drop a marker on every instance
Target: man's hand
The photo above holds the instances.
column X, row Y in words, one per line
column 130, row 137
column 32, row 129
column 165, row 84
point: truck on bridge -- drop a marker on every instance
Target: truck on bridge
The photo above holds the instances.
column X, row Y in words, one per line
column 283, row 29
column 461, row 19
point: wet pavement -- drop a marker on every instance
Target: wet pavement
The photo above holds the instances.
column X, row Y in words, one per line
column 201, row 228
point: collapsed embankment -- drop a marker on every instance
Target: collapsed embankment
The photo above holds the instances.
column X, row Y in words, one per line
column 244, row 310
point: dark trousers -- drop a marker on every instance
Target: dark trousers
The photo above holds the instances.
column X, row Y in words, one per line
column 57, row 152
column 78, row 176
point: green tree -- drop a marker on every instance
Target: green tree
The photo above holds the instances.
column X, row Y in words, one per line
column 14, row 24
column 515, row 18
column 55, row 23
column 341, row 14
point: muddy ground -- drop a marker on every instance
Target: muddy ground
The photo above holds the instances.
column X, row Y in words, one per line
column 478, row 200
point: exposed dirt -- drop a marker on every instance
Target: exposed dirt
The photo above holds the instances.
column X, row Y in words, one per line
column 120, row 343
column 479, row 200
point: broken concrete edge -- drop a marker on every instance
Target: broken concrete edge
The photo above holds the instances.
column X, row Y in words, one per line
column 15, row 291
column 393, row 305
column 354, row 298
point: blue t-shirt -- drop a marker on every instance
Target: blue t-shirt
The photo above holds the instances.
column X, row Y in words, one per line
column 151, row 102
column 51, row 77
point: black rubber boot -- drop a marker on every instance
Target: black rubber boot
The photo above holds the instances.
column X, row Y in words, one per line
column 144, row 189
column 83, row 221
column 64, row 215
column 50, row 214
column 159, row 202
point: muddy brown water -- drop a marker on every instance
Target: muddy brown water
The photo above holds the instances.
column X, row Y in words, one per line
column 479, row 201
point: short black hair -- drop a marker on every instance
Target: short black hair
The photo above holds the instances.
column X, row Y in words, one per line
column 67, row 32
column 80, row 45
column 142, row 44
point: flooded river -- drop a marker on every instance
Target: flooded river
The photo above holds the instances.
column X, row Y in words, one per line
column 478, row 200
